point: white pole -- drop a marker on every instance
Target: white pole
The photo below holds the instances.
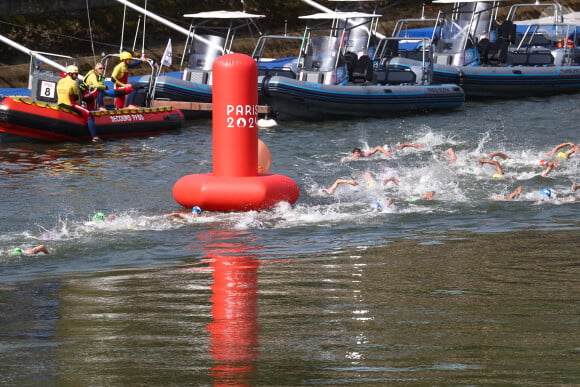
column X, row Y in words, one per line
column 328, row 10
column 166, row 22
column 27, row 51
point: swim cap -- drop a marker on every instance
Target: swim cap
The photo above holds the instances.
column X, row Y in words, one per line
column 99, row 216
column 72, row 69
column 414, row 199
column 547, row 192
column 376, row 205
column 543, row 163
column 16, row 251
column 562, row 155
column 196, row 210
column 497, row 176
column 125, row 55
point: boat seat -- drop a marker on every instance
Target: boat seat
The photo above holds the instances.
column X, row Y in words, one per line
column 363, row 71
column 397, row 77
column 575, row 55
column 350, row 60
column 540, row 59
column 530, row 58
column 496, row 51
column 539, row 40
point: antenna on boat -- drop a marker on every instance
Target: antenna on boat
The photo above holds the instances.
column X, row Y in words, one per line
column 136, row 33
column 423, row 11
column 123, row 28
column 91, row 33
column 144, row 23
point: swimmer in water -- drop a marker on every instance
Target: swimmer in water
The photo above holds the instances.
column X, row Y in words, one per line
column 391, row 179
column 562, row 155
column 546, row 194
column 426, row 196
column 549, row 168
column 499, row 172
column 101, row 217
column 330, row 190
column 449, row 152
column 357, row 153
column 32, row 251
column 408, row 145
column 194, row 213
column 379, row 205
column 514, row 195
column 575, row 187
column 501, row 155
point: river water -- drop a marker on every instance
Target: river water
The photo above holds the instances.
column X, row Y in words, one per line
column 297, row 295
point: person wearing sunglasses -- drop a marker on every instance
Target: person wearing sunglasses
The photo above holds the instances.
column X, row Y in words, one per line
column 94, row 80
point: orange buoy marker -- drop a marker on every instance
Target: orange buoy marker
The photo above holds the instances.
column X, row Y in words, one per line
column 235, row 184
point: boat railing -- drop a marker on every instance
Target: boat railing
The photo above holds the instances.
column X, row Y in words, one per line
column 546, row 44
column 36, row 60
column 273, row 64
column 553, row 10
column 404, row 60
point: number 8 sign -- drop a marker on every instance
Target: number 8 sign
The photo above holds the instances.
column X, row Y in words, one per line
column 47, row 89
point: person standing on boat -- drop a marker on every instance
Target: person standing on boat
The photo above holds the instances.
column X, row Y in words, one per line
column 121, row 76
column 95, row 80
column 69, row 98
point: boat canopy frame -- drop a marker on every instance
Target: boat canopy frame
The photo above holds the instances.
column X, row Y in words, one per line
column 342, row 25
column 215, row 36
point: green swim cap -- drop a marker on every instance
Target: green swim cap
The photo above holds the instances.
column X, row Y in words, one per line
column 99, row 216
column 414, row 199
column 16, row 251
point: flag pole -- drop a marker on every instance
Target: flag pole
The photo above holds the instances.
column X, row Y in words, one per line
column 166, row 60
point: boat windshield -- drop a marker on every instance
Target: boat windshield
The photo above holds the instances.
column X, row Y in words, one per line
column 206, row 49
column 321, row 54
column 461, row 28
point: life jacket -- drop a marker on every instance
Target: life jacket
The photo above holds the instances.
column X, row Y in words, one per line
column 99, row 77
column 568, row 43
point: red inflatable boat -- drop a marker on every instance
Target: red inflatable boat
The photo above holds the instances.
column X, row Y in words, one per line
column 22, row 119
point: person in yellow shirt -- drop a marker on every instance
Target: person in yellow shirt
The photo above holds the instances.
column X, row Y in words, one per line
column 94, row 80
column 69, row 97
column 120, row 76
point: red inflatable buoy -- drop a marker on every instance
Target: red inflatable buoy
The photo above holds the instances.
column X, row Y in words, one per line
column 235, row 184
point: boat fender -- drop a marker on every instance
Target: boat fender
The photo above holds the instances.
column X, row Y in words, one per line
column 461, row 76
column 266, row 123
